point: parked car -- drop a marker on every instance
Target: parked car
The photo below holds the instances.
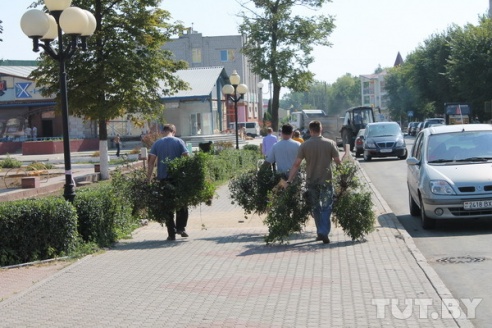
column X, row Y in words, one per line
column 430, row 121
column 384, row 139
column 412, row 128
column 359, row 143
column 449, row 173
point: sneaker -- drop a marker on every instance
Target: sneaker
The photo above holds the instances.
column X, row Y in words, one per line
column 182, row 233
column 319, row 238
column 326, row 240
column 171, row 238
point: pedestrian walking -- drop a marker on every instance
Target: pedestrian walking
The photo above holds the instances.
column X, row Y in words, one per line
column 284, row 152
column 117, row 143
column 34, row 132
column 319, row 153
column 297, row 136
column 167, row 148
column 268, row 141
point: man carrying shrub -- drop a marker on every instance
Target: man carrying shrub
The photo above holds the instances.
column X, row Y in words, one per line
column 319, row 152
column 165, row 149
column 284, row 152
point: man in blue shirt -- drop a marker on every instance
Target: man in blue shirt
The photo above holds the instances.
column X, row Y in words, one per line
column 284, row 152
column 268, row 142
column 168, row 148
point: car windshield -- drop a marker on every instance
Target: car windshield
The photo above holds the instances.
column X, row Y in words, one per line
column 383, row 130
column 473, row 146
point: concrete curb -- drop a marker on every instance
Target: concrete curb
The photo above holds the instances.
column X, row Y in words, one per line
column 436, row 282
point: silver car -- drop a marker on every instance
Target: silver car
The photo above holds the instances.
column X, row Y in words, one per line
column 449, row 173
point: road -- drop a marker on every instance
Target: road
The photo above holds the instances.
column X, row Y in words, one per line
column 460, row 251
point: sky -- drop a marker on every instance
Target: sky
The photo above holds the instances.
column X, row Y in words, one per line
column 368, row 33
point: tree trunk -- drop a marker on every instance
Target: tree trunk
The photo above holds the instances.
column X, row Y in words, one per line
column 275, row 106
column 103, row 150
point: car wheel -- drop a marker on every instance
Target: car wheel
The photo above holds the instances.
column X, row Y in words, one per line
column 427, row 223
column 367, row 157
column 414, row 208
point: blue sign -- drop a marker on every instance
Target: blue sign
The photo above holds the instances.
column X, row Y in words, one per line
column 21, row 90
column 410, row 113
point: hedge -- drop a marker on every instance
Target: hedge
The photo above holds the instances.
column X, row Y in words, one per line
column 33, row 230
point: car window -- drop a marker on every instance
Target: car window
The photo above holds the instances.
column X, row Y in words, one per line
column 460, row 146
column 416, row 150
column 250, row 125
column 378, row 130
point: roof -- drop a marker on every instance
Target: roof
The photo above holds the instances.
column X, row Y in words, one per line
column 18, row 68
column 201, row 81
column 18, row 71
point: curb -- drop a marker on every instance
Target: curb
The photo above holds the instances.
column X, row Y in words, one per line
column 439, row 286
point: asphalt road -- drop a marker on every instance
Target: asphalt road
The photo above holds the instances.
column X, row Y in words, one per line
column 460, row 251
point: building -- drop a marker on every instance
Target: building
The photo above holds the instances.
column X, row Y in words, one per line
column 23, row 107
column 199, row 110
column 220, row 51
column 373, row 92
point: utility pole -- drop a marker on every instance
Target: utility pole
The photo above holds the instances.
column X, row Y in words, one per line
column 490, row 8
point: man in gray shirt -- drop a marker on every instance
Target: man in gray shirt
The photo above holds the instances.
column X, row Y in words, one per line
column 284, row 152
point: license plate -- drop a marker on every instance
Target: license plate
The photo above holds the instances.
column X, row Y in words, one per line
column 386, row 150
column 476, row 205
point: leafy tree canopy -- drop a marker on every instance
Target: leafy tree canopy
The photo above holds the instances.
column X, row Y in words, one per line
column 279, row 43
column 124, row 71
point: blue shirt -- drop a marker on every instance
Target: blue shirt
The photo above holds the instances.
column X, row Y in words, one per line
column 284, row 154
column 167, row 148
column 268, row 143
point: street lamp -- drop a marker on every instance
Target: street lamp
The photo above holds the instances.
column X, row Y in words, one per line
column 78, row 24
column 259, row 85
column 232, row 90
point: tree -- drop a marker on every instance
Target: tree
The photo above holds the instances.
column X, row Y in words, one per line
column 469, row 67
column 124, row 72
column 279, row 44
column 344, row 93
column 333, row 99
column 1, row 30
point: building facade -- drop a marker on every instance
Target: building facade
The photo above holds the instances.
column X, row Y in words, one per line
column 23, row 108
column 221, row 51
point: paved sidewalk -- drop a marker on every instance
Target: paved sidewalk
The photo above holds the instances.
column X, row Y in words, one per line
column 224, row 275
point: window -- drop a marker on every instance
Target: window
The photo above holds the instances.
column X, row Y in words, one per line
column 196, row 55
column 227, row 55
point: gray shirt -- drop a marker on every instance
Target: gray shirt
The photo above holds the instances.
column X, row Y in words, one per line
column 284, row 154
column 167, row 148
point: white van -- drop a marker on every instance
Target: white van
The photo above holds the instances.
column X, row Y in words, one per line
column 252, row 128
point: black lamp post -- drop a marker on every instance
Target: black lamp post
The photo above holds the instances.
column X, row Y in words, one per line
column 232, row 90
column 78, row 24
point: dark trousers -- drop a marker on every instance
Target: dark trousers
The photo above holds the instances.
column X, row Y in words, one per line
column 117, row 150
column 181, row 221
column 181, row 215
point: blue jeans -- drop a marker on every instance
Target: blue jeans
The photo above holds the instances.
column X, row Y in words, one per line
column 320, row 198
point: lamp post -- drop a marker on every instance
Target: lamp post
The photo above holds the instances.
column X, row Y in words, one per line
column 232, row 90
column 260, row 101
column 78, row 24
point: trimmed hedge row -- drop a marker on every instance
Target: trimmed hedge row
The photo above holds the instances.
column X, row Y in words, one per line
column 33, row 230
column 39, row 229
column 102, row 217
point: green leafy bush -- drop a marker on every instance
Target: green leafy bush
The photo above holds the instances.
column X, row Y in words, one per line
column 10, row 163
column 353, row 208
column 250, row 189
column 103, row 215
column 252, row 147
column 33, row 230
column 288, row 209
column 288, row 212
